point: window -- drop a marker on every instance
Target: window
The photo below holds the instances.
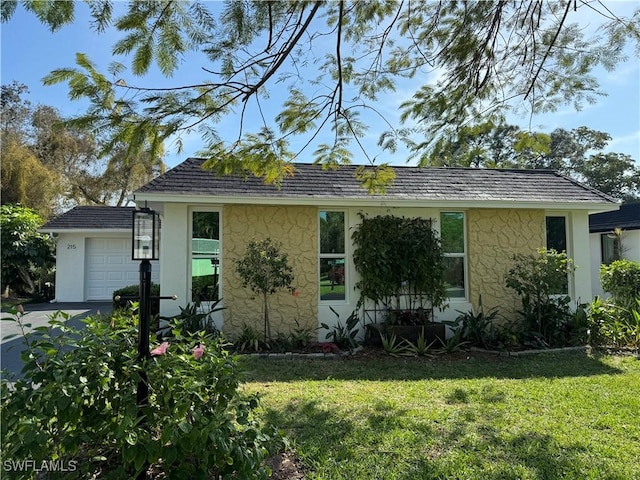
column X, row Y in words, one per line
column 556, row 233
column 205, row 256
column 453, row 248
column 332, row 256
column 609, row 248
column 557, row 240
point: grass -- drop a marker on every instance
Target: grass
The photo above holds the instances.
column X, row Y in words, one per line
column 571, row 415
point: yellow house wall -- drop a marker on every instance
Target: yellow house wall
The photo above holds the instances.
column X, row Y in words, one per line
column 296, row 229
column 494, row 236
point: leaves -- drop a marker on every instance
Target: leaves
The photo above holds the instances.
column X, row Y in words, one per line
column 335, row 59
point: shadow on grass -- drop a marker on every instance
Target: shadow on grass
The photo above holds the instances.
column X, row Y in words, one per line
column 382, row 440
column 542, row 365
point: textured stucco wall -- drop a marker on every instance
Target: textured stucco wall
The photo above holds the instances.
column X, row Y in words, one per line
column 494, row 236
column 296, row 229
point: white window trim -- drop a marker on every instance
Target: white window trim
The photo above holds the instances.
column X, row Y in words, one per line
column 463, row 255
column 568, row 233
column 204, row 209
column 344, row 255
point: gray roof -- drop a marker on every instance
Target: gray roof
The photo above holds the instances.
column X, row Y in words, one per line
column 92, row 218
column 627, row 218
column 411, row 183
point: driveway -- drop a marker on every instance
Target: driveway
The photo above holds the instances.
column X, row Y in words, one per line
column 38, row 315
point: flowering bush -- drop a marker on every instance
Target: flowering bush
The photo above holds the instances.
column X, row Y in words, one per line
column 77, row 402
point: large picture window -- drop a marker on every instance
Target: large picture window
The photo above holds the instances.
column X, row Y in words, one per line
column 205, row 256
column 332, row 256
column 453, row 249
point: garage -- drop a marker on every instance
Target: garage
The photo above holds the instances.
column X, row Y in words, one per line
column 108, row 267
column 93, row 253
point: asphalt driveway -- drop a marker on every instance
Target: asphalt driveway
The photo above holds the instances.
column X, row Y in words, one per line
column 38, row 315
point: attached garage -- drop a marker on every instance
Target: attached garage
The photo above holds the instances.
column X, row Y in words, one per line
column 93, row 253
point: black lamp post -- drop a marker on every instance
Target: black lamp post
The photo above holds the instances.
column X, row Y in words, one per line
column 145, row 247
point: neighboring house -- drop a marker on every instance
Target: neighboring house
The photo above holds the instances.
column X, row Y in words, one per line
column 93, row 253
column 498, row 213
column 603, row 239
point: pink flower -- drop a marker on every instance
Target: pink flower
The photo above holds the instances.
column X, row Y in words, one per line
column 295, row 293
column 160, row 350
column 198, row 351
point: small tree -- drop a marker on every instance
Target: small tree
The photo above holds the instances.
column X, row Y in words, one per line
column 26, row 254
column 264, row 269
column 538, row 278
column 622, row 280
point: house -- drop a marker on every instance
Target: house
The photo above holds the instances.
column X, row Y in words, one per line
column 93, row 253
column 207, row 221
column 606, row 245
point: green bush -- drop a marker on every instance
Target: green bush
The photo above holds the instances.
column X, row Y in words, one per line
column 540, row 279
column 77, row 403
column 611, row 325
column 133, row 293
column 622, row 280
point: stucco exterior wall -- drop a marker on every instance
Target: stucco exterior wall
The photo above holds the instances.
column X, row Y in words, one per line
column 494, row 236
column 296, row 229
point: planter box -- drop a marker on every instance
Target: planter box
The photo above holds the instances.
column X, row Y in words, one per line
column 432, row 332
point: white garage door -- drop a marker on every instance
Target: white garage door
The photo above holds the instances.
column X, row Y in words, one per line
column 109, row 267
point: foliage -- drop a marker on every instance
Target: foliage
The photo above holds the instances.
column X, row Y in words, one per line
column 131, row 294
column 49, row 165
column 399, row 258
column 611, row 325
column 265, row 269
column 622, row 280
column 249, row 340
column 420, row 347
column 478, row 329
column 391, row 345
column 344, row 336
column 77, row 402
column 193, row 319
column 578, row 153
column 497, row 57
column 27, row 256
column 540, row 280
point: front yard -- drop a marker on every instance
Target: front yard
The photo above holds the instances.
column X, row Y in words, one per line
column 546, row 416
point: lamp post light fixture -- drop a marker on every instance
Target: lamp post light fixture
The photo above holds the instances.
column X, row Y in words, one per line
column 145, row 247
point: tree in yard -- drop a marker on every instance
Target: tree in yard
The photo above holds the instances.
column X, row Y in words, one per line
column 335, row 60
column 26, row 254
column 265, row 269
column 49, row 165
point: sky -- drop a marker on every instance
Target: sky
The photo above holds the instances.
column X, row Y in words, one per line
column 29, row 51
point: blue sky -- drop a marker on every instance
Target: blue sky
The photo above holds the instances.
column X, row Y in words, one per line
column 29, row 51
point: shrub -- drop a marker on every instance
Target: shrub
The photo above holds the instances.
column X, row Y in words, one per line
column 79, row 404
column 476, row 328
column 611, row 325
column 622, row 280
column 27, row 256
column 131, row 294
column 540, row 280
column 399, row 257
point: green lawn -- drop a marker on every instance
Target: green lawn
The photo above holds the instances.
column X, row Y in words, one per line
column 545, row 416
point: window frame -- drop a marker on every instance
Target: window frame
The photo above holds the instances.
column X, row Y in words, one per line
column 568, row 251
column 192, row 211
column 463, row 255
column 336, row 256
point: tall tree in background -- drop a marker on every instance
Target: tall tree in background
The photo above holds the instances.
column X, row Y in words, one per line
column 48, row 165
column 335, row 60
column 577, row 153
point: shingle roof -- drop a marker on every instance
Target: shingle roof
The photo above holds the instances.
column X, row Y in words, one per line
column 92, row 218
column 411, row 183
column 627, row 218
